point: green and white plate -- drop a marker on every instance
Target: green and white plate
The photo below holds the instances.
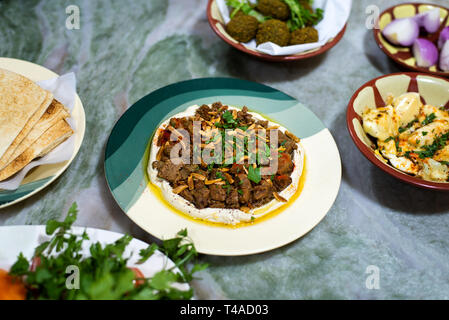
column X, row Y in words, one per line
column 127, row 153
column 40, row 177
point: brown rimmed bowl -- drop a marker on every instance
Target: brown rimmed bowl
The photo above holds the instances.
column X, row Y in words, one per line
column 404, row 55
column 433, row 90
column 217, row 24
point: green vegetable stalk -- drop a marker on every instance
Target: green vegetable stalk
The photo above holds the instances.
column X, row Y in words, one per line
column 246, row 7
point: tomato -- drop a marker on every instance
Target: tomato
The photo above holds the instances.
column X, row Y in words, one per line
column 164, row 136
column 11, row 288
column 285, row 164
column 138, row 277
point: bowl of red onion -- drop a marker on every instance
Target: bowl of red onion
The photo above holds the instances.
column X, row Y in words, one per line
column 416, row 36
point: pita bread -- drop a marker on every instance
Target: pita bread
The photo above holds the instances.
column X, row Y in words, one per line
column 47, row 142
column 20, row 99
column 6, row 158
column 55, row 112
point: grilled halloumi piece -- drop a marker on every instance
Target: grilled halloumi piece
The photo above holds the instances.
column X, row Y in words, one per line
column 381, row 123
column 404, row 164
column 443, row 154
column 427, row 110
column 434, row 170
column 387, row 147
column 407, row 107
column 427, row 134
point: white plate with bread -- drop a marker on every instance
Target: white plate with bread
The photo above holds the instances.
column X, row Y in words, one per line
column 33, row 124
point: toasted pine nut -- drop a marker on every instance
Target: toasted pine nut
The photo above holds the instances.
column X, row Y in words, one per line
column 198, row 176
column 209, row 182
column 180, row 189
column 190, row 183
column 292, row 136
column 229, row 178
column 159, row 153
column 245, row 209
column 278, row 197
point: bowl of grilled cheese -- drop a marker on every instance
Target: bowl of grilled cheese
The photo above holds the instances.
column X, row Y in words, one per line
column 400, row 122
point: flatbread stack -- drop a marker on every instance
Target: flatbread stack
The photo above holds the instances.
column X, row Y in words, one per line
column 32, row 123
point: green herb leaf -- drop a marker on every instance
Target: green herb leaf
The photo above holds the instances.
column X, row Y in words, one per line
column 20, row 267
column 227, row 116
column 105, row 274
column 254, row 174
column 429, row 119
column 301, row 16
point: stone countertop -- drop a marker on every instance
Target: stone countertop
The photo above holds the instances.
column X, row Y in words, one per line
column 125, row 50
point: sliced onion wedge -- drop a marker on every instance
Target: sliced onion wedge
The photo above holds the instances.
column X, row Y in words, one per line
column 444, row 57
column 425, row 52
column 444, row 36
column 402, row 32
column 429, row 20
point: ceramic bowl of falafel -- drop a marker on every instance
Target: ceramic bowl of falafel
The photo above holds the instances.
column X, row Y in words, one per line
column 274, row 30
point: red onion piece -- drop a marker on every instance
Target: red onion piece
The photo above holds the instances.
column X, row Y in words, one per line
column 444, row 36
column 429, row 20
column 425, row 52
column 444, row 57
column 402, row 32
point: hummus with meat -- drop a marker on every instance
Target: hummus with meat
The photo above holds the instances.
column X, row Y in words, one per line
column 223, row 191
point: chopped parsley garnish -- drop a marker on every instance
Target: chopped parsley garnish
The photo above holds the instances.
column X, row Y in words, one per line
column 424, row 133
column 227, row 187
column 219, row 175
column 215, row 138
column 389, row 139
column 430, row 150
column 227, row 116
column 408, row 126
column 254, row 174
column 429, row 119
column 267, row 151
column 240, row 191
column 445, row 162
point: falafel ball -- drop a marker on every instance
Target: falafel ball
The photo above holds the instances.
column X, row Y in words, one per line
column 275, row 31
column 242, row 27
column 304, row 35
column 274, row 8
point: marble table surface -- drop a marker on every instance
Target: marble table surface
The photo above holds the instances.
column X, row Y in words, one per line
column 126, row 49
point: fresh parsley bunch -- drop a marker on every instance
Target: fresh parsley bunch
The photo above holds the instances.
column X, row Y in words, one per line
column 246, row 7
column 104, row 275
column 300, row 15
